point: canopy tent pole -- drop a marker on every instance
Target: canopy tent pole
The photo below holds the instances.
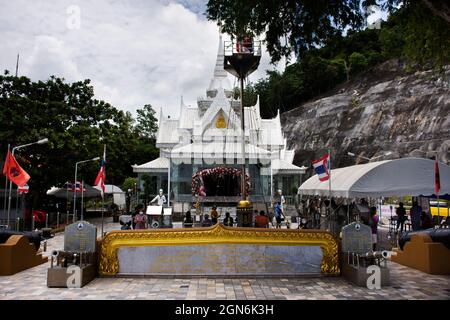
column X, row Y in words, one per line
column 168, row 185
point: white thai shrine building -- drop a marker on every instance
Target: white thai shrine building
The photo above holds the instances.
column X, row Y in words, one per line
column 200, row 152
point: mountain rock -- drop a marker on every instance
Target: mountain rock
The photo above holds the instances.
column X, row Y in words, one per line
column 387, row 109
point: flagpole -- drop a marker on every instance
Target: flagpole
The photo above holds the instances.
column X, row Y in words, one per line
column 82, row 199
column 9, row 193
column 42, row 141
column 103, row 194
column 17, row 201
column 75, row 194
column 437, row 190
column 67, row 202
column 6, row 182
column 329, row 185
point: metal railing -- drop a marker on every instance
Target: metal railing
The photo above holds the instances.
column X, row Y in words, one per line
column 242, row 47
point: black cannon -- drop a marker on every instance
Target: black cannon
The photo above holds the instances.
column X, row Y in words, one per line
column 32, row 236
column 437, row 235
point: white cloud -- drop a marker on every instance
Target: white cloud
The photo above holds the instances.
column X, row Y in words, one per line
column 135, row 52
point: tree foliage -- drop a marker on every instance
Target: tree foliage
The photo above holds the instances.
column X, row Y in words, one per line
column 342, row 57
column 298, row 26
column 76, row 124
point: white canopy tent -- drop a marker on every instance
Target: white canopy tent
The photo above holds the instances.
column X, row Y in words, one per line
column 399, row 177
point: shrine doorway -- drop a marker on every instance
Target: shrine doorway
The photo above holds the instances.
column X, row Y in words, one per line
column 219, row 181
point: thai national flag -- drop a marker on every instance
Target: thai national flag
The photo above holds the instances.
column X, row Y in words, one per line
column 322, row 167
column 76, row 187
column 24, row 189
column 101, row 176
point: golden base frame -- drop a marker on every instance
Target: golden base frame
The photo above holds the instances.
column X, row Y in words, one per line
column 217, row 234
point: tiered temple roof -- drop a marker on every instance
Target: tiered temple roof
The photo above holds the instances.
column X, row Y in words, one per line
column 214, row 125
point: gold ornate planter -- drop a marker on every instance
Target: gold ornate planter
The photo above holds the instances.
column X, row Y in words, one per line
column 218, row 234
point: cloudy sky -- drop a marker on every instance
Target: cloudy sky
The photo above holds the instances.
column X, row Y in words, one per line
column 134, row 51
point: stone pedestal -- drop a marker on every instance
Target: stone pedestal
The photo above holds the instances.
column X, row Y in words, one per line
column 358, row 274
column 57, row 277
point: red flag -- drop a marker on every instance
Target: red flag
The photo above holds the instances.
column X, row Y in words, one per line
column 437, row 179
column 14, row 172
column 101, row 176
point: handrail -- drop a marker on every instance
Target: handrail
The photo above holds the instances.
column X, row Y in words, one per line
column 242, row 47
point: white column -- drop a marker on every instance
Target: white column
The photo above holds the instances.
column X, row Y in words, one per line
column 168, row 185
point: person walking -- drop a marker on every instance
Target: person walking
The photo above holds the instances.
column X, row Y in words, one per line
column 401, row 216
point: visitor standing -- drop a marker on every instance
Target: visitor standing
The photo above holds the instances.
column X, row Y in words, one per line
column 228, row 221
column 206, row 221
column 278, row 215
column 214, row 215
column 426, row 220
column 373, row 223
column 188, row 222
column 138, row 208
column 140, row 220
column 262, row 221
column 415, row 214
column 401, row 216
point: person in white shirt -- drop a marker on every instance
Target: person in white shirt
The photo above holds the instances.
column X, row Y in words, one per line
column 160, row 198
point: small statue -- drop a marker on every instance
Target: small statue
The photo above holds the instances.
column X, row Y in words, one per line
column 160, row 198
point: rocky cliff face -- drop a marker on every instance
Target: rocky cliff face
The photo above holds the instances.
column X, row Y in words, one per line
column 385, row 110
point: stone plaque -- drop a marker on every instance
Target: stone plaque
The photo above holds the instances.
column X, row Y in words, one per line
column 220, row 259
column 80, row 236
column 357, row 238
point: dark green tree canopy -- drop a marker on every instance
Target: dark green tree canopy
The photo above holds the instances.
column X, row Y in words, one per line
column 76, row 124
column 147, row 124
column 301, row 25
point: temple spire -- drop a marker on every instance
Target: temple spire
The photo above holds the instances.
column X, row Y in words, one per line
column 220, row 76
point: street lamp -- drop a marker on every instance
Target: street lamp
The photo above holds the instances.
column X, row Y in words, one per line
column 42, row 141
column 369, row 159
column 75, row 184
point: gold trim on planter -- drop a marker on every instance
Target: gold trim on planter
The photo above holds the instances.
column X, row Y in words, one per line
column 217, row 234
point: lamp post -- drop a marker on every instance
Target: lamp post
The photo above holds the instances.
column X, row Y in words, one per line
column 369, row 159
column 75, row 185
column 41, row 141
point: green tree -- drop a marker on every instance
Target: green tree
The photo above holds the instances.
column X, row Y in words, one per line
column 147, row 124
column 358, row 62
column 299, row 25
column 77, row 126
column 129, row 183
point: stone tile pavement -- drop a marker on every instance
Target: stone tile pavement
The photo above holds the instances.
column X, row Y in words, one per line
column 406, row 283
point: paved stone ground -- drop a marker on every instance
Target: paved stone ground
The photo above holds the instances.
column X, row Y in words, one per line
column 406, row 283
